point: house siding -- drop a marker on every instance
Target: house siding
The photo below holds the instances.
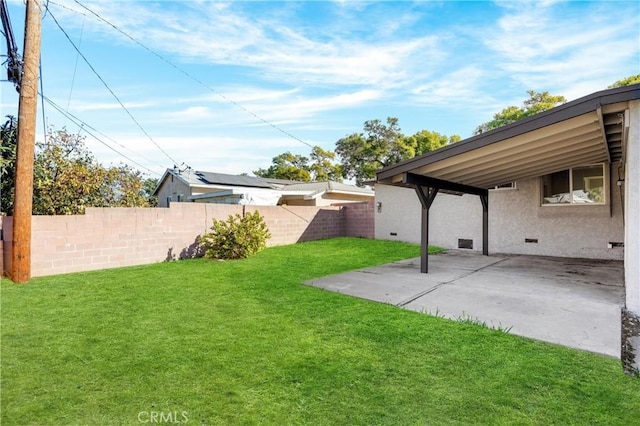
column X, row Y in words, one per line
column 631, row 312
column 515, row 215
column 172, row 187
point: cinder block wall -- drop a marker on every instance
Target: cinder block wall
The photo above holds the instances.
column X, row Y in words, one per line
column 114, row 237
column 359, row 219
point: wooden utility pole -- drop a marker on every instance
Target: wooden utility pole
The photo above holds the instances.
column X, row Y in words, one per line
column 27, row 110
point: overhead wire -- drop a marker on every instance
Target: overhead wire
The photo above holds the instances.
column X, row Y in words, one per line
column 83, row 124
column 221, row 95
column 44, row 118
column 110, row 90
column 86, row 126
column 75, row 67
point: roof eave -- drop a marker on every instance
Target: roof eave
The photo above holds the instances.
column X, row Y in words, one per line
column 584, row 105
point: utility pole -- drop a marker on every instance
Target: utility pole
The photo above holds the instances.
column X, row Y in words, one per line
column 27, row 110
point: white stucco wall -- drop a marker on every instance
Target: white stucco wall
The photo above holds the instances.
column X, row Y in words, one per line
column 172, row 188
column 514, row 215
column 632, row 212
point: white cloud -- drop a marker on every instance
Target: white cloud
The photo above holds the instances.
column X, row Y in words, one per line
column 545, row 47
column 276, row 107
column 458, row 86
column 276, row 49
column 216, row 152
column 270, row 67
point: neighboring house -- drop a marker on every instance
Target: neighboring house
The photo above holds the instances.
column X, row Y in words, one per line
column 565, row 182
column 207, row 187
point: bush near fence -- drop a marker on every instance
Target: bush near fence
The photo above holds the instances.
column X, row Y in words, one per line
column 114, row 237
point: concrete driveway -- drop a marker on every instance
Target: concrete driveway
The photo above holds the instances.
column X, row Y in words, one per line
column 571, row 302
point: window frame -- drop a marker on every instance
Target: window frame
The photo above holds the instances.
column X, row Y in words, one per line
column 605, row 185
column 504, row 187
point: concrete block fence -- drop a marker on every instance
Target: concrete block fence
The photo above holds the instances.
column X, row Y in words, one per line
column 114, row 237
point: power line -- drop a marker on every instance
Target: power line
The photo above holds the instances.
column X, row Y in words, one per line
column 44, row 119
column 109, row 89
column 162, row 58
column 75, row 67
column 84, row 126
column 14, row 61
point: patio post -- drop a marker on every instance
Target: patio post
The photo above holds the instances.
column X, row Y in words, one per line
column 484, row 198
column 426, row 199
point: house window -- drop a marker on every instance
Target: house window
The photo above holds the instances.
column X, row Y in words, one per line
column 508, row 185
column 579, row 185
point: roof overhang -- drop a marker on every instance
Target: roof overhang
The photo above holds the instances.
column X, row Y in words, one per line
column 586, row 131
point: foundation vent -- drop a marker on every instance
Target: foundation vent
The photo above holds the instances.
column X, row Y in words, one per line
column 531, row 240
column 464, row 243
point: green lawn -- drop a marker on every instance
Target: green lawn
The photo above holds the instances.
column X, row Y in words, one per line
column 242, row 342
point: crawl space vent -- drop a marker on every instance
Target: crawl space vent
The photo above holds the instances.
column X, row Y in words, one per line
column 464, row 243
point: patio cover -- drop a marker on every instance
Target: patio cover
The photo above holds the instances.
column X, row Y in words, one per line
column 589, row 130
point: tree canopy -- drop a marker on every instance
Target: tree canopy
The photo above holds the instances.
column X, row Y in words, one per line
column 381, row 145
column 67, row 178
column 319, row 166
column 9, row 135
column 536, row 103
column 633, row 79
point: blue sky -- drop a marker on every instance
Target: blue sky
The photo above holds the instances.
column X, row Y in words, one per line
column 253, row 79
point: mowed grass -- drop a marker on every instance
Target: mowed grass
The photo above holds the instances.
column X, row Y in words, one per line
column 244, row 343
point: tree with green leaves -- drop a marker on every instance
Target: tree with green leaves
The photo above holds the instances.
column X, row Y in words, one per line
column 149, row 185
column 633, row 79
column 9, row 135
column 323, row 167
column 319, row 166
column 380, row 145
column 536, row 103
column 287, row 166
column 426, row 141
column 67, row 178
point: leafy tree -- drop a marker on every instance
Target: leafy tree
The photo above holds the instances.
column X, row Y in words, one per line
column 426, row 141
column 362, row 154
column 9, row 135
column 634, row 79
column 319, row 166
column 381, row 145
column 323, row 167
column 125, row 187
column 67, row 178
column 148, row 186
column 536, row 103
column 287, row 166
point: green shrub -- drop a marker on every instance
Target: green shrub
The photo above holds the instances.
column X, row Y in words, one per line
column 236, row 238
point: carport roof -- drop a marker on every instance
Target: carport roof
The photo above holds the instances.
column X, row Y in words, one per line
column 585, row 131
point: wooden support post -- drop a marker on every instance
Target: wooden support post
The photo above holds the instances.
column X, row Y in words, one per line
column 485, row 224
column 424, row 242
column 27, row 110
column 426, row 199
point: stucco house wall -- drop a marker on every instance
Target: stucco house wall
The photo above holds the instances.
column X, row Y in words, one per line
column 631, row 310
column 172, row 188
column 515, row 216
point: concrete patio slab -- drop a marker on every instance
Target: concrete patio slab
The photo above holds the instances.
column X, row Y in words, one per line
column 571, row 302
